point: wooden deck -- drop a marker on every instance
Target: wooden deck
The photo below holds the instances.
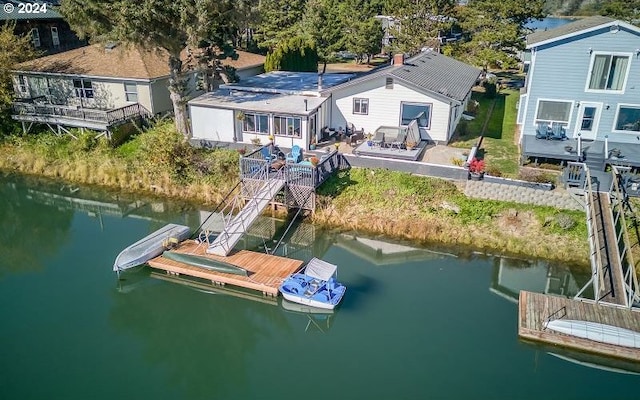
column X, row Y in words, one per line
column 266, row 272
column 535, row 308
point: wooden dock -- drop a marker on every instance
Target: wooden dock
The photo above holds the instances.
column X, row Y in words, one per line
column 536, row 308
column 266, row 272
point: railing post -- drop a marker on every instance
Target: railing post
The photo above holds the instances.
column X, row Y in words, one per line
column 579, row 145
column 606, row 146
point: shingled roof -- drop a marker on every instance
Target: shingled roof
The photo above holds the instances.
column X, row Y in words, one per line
column 430, row 71
column 118, row 62
column 567, row 29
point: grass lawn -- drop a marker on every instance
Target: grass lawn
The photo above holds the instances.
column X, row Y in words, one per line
column 498, row 146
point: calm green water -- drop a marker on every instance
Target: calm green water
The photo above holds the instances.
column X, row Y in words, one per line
column 414, row 324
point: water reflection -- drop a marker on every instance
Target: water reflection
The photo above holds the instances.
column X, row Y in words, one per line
column 511, row 275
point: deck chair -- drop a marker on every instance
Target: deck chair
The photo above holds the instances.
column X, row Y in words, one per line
column 543, row 131
column 399, row 141
column 378, row 139
column 266, row 154
column 296, row 154
column 558, row 131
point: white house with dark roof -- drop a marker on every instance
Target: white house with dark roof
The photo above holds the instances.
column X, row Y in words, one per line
column 299, row 108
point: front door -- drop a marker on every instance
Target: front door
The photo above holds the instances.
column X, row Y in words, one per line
column 588, row 120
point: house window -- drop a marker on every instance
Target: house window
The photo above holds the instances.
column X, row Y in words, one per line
column 287, row 126
column 415, row 111
column 22, row 84
column 131, row 92
column 256, row 123
column 389, row 83
column 35, row 37
column 361, row 106
column 83, row 88
column 608, row 72
column 554, row 111
column 628, row 118
column 55, row 38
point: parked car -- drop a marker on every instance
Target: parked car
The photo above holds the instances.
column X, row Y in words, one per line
column 346, row 55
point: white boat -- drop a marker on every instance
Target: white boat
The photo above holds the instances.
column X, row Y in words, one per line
column 314, row 286
column 598, row 332
column 150, row 246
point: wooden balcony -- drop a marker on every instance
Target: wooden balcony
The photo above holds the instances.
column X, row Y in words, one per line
column 63, row 115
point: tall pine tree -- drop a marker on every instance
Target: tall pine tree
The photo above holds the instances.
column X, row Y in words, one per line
column 160, row 25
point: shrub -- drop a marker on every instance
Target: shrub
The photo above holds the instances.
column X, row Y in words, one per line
column 493, row 170
column 531, row 175
column 490, row 89
column 565, row 221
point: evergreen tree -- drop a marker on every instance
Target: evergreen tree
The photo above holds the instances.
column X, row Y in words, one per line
column 496, row 30
column 363, row 31
column 295, row 54
column 279, row 20
column 202, row 26
column 13, row 50
column 420, row 22
column 323, row 25
column 626, row 10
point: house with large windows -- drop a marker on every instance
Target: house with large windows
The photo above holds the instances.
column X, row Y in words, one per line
column 303, row 109
column 581, row 99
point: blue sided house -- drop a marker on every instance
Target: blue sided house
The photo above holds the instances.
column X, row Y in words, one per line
column 581, row 100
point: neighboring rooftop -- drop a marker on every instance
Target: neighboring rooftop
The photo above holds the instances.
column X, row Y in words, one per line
column 49, row 12
column 118, row 61
column 567, row 29
column 244, row 60
column 285, row 82
column 430, row 71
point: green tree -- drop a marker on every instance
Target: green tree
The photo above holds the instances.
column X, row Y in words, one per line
column 496, row 30
column 279, row 21
column 13, row 50
column 201, row 26
column 295, row 54
column 363, row 32
column 322, row 23
column 627, row 10
column 420, row 22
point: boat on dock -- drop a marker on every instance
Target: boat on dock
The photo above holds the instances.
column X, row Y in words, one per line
column 205, row 262
column 151, row 246
column 314, row 285
column 595, row 331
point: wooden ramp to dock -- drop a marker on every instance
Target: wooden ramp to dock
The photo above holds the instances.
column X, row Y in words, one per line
column 266, row 272
column 535, row 309
column 612, row 289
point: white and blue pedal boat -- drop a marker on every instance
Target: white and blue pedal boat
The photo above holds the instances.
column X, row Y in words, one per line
column 315, row 285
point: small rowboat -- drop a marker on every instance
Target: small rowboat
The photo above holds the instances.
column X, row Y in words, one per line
column 150, row 246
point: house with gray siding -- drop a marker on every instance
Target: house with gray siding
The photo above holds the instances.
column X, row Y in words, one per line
column 581, row 99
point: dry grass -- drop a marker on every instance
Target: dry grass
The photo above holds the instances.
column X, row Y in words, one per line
column 377, row 201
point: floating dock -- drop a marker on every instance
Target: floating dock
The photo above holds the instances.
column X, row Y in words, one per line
column 266, row 272
column 536, row 308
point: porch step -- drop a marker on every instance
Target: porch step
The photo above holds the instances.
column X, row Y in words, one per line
column 594, row 161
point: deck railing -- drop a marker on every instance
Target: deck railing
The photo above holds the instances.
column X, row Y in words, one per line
column 108, row 117
column 620, row 204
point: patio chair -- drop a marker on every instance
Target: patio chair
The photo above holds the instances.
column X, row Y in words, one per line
column 543, row 131
column 266, row 153
column 399, row 141
column 558, row 131
column 356, row 137
column 378, row 139
column 296, row 154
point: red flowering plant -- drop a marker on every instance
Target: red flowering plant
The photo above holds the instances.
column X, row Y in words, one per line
column 476, row 166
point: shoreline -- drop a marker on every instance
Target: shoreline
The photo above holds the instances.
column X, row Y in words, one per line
column 398, row 205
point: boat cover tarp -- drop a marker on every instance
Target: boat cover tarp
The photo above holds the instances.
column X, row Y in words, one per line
column 317, row 268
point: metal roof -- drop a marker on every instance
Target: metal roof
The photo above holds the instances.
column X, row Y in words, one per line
column 432, row 72
column 567, row 29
